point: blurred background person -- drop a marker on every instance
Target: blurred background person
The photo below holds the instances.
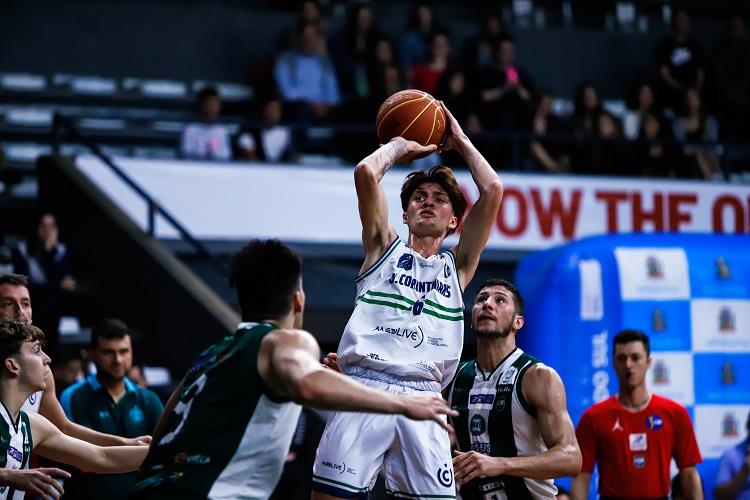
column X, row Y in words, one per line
column 207, row 138
column 679, row 57
column 107, row 401
column 306, row 76
column 268, row 139
column 733, row 476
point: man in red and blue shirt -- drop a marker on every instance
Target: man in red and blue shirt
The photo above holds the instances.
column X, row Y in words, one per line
column 634, row 434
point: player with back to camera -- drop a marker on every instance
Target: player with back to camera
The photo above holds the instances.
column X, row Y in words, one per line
column 406, row 332
column 227, row 428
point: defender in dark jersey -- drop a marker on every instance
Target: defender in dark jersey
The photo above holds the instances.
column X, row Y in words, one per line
column 227, row 429
column 513, row 430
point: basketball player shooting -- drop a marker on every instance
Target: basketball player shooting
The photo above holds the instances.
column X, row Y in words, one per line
column 406, row 332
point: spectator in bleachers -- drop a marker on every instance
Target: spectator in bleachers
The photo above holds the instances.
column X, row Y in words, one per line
column 547, row 154
column 207, row 138
column 352, row 49
column 309, row 11
column 640, row 102
column 383, row 72
column 679, row 57
column 730, row 76
column 383, row 79
column 652, row 155
column 108, row 401
column 306, row 76
column 505, row 89
column 699, row 132
column 587, row 108
column 478, row 49
column 608, row 154
column 584, row 124
column 44, row 258
column 452, row 88
column 426, row 75
column 415, row 42
column 269, row 140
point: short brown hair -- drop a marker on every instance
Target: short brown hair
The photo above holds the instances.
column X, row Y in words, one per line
column 442, row 176
column 14, row 333
column 14, row 279
column 517, row 297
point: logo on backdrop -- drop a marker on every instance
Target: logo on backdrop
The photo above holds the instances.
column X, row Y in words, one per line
column 729, row 425
column 657, row 321
column 727, row 373
column 661, row 373
column 654, row 268
column 722, row 269
column 727, row 320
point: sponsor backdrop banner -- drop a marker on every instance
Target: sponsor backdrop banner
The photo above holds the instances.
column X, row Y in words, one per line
column 690, row 293
column 230, row 201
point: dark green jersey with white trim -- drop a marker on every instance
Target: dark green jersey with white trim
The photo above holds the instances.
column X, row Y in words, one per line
column 15, row 448
column 228, row 435
column 496, row 420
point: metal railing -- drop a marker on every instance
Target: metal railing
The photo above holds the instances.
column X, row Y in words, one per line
column 61, row 125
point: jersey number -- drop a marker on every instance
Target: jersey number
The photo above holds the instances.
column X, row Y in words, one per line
column 182, row 409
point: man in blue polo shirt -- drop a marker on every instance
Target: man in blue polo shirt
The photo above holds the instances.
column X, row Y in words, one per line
column 733, row 476
column 109, row 402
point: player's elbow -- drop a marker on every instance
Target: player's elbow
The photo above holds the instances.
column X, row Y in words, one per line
column 574, row 461
column 307, row 392
column 492, row 192
column 364, row 173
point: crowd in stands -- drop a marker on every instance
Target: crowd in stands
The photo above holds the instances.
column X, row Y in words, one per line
column 686, row 103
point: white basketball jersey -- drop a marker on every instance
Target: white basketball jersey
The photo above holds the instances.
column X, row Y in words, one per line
column 32, row 403
column 408, row 317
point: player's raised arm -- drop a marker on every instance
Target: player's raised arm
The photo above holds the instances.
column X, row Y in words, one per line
column 50, row 443
column 477, row 226
column 377, row 233
column 288, row 363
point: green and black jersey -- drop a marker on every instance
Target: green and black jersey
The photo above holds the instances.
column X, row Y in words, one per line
column 15, row 448
column 228, row 435
column 495, row 419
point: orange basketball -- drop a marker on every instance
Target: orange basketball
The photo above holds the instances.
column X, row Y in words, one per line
column 412, row 114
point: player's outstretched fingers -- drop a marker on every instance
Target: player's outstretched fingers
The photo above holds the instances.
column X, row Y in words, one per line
column 45, row 483
column 142, row 441
column 463, row 466
column 330, row 361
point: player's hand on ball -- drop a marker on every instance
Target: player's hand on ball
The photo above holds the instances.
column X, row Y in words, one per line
column 36, row 482
column 471, row 464
column 405, row 150
column 453, row 131
column 429, row 407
